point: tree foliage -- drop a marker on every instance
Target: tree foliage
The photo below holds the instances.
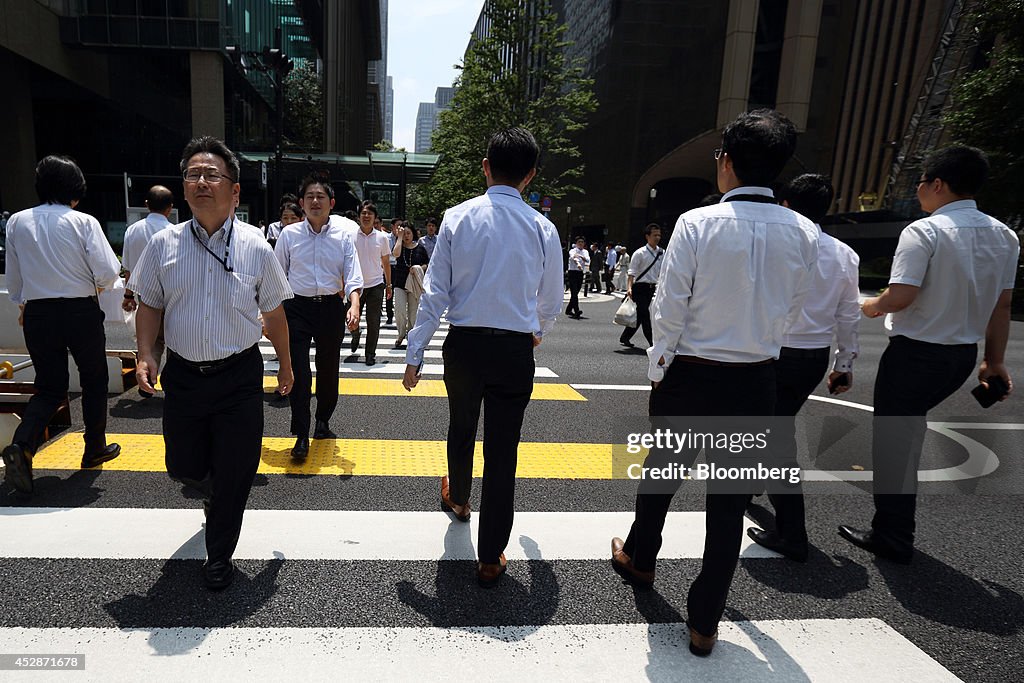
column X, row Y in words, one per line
column 518, row 75
column 304, row 109
column 988, row 102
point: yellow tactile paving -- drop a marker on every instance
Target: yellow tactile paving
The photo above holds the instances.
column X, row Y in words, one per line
column 358, row 457
column 431, row 388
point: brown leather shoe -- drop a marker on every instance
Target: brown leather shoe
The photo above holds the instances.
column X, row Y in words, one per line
column 488, row 575
column 702, row 645
column 622, row 564
column 461, row 512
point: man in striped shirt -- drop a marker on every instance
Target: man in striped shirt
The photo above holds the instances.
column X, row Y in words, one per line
column 211, row 278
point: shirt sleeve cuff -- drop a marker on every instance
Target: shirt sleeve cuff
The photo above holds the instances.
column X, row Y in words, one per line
column 413, row 356
column 843, row 365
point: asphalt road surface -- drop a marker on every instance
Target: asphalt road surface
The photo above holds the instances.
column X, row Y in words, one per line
column 349, row 569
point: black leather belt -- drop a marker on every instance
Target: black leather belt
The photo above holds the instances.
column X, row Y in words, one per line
column 492, row 331
column 209, row 367
column 318, row 298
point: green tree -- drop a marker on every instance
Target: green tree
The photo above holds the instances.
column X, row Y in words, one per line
column 986, row 113
column 303, row 109
column 388, row 146
column 988, row 102
column 538, row 87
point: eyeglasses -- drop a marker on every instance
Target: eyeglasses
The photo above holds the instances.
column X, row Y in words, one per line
column 211, row 175
column 718, row 153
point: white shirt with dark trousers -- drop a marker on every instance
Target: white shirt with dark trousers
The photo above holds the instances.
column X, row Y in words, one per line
column 646, row 259
column 733, row 274
column 212, row 289
column 497, row 270
column 56, row 259
column 962, row 260
column 323, row 271
column 832, row 305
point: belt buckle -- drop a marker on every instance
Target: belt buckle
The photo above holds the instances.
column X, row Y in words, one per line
column 317, row 298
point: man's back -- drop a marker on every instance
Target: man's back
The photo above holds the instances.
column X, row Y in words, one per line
column 740, row 261
column 498, row 249
column 961, row 259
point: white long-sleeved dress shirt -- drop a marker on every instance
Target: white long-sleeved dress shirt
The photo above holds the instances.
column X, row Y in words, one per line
column 579, row 259
column 137, row 236
column 645, row 262
column 962, row 259
column 734, row 276
column 319, row 264
column 832, row 305
column 55, row 252
column 497, row 263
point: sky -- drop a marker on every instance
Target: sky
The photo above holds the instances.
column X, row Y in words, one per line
column 426, row 38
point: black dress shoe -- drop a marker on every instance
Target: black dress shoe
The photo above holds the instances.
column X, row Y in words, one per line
column 301, row 449
column 627, row 344
column 109, row 453
column 18, row 468
column 867, row 541
column 771, row 540
column 354, row 345
column 322, row 430
column 218, row 574
column 371, row 360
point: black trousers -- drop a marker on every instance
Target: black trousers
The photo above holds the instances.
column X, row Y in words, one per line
column 323, row 322
column 213, row 433
column 369, row 306
column 497, row 371
column 643, row 295
column 53, row 327
column 797, row 373
column 913, row 377
column 575, row 282
column 690, row 389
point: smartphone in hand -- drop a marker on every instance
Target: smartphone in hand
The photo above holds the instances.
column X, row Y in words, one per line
column 842, row 380
column 997, row 388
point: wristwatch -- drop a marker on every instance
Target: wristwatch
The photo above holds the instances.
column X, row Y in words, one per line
column 129, row 296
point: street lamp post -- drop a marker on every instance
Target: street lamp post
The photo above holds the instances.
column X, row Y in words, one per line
column 270, row 60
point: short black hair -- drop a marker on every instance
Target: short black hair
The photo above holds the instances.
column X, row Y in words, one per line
column 580, row 239
column 159, row 199
column 512, row 153
column 711, row 199
column 367, row 205
column 651, row 227
column 287, row 198
column 294, row 208
column 316, row 179
column 351, row 215
column 963, row 168
column 59, row 180
column 211, row 145
column 810, row 195
column 397, row 220
column 760, row 143
column 430, row 219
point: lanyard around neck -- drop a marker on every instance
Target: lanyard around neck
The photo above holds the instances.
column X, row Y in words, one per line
column 227, row 244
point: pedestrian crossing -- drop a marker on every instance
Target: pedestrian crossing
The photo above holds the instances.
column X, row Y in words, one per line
column 390, row 361
column 347, row 570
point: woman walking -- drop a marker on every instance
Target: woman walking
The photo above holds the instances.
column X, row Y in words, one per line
column 407, row 277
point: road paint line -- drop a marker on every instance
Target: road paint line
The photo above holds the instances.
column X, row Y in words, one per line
column 349, row 457
column 393, row 368
column 839, row 650
column 428, row 388
column 85, row 533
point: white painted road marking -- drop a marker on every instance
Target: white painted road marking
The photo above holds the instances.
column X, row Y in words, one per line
column 332, row 535
column 837, row 650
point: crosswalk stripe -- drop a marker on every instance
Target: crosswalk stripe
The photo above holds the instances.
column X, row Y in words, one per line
column 428, row 388
column 359, row 457
column 395, row 367
column 331, row 535
column 799, row 649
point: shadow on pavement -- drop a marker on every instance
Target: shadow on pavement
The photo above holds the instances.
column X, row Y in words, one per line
column 939, row 593
column 458, row 602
